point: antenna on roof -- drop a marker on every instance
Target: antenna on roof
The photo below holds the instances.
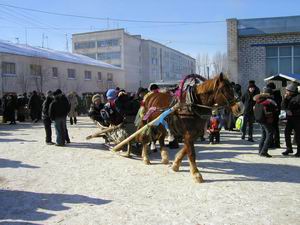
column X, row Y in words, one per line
column 67, row 43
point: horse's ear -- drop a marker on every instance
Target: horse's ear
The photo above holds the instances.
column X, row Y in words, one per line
column 221, row 76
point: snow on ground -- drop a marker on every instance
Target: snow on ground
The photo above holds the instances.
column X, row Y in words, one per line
column 84, row 183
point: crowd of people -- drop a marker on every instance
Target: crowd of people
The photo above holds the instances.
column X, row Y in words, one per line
column 265, row 108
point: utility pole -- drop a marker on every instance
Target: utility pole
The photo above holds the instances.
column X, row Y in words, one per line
column 26, row 35
column 161, row 66
column 43, row 37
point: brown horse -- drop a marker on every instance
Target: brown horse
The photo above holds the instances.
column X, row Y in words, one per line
column 187, row 120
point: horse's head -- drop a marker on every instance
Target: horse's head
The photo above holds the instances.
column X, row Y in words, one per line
column 221, row 92
column 225, row 95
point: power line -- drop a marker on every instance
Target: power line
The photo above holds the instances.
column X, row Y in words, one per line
column 113, row 19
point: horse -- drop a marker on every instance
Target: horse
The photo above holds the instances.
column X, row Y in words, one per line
column 187, row 121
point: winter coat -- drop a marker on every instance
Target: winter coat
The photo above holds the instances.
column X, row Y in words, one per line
column 59, row 107
column 35, row 103
column 73, row 104
column 45, row 107
column 248, row 102
column 94, row 112
column 292, row 104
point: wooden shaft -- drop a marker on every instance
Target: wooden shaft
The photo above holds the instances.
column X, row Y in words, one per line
column 131, row 137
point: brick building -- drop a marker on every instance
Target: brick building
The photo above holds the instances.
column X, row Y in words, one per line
column 258, row 48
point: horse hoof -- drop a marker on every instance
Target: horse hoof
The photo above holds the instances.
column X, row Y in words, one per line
column 165, row 161
column 175, row 167
column 198, row 178
column 146, row 161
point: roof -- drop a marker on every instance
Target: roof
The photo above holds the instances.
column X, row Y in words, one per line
column 27, row 50
column 273, row 25
column 283, row 77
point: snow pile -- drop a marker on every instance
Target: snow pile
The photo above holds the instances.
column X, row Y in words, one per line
column 26, row 50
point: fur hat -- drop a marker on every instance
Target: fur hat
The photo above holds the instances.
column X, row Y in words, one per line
column 96, row 97
column 292, row 88
column 266, row 93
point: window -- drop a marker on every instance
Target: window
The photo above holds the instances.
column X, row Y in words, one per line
column 85, row 44
column 92, row 55
column 282, row 59
column 71, row 74
column 108, row 42
column 297, row 59
column 35, row 70
column 99, row 76
column 109, row 55
column 54, row 72
column 8, row 68
column 87, row 75
column 109, row 77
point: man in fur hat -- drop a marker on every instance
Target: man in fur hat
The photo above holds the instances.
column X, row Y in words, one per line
column 265, row 111
column 291, row 104
column 248, row 102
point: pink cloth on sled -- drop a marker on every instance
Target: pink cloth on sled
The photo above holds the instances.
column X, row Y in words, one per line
column 149, row 113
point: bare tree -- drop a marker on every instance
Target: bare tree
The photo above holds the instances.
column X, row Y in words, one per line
column 219, row 62
column 22, row 80
column 202, row 63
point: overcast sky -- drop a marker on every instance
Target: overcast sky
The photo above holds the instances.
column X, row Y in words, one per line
column 188, row 38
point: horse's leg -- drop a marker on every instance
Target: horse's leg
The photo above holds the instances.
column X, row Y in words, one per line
column 163, row 150
column 145, row 153
column 178, row 158
column 192, row 160
column 127, row 154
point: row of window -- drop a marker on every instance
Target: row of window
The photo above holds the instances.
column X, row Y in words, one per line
column 9, row 68
column 99, row 43
column 109, row 55
column 282, row 59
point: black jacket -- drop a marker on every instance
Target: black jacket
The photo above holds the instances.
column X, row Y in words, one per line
column 292, row 103
column 35, row 102
column 59, row 107
column 94, row 112
column 45, row 107
column 248, row 102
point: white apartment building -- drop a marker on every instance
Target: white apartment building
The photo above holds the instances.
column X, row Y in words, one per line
column 25, row 68
column 144, row 61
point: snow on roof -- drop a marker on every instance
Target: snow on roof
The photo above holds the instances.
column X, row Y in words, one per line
column 27, row 50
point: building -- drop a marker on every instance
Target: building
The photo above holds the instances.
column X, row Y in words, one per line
column 144, row 61
column 25, row 68
column 258, row 48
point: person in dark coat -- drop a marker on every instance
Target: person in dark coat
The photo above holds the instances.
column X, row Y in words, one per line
column 46, row 118
column 291, row 104
column 21, row 103
column 58, row 111
column 95, row 108
column 276, row 96
column 9, row 108
column 35, row 106
column 265, row 117
column 248, row 102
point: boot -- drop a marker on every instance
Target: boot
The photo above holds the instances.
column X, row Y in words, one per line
column 173, row 144
column 297, row 154
column 265, row 154
column 71, row 120
column 75, row 120
column 288, row 151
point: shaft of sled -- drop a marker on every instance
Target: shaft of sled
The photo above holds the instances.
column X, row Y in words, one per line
column 104, row 131
column 131, row 137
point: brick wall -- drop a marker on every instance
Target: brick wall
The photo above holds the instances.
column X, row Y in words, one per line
column 252, row 59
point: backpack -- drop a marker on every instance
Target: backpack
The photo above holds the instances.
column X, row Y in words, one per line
column 264, row 113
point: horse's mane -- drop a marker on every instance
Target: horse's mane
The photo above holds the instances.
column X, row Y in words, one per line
column 210, row 85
